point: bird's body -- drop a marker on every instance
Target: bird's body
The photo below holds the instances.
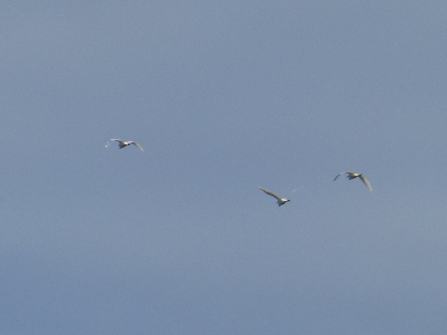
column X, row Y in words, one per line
column 123, row 144
column 353, row 175
column 281, row 201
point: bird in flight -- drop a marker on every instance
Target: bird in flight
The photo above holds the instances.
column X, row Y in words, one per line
column 123, row 144
column 281, row 201
column 353, row 175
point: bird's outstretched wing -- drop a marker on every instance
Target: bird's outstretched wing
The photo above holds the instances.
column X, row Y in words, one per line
column 271, row 193
column 137, row 145
column 340, row 174
column 366, row 182
column 111, row 140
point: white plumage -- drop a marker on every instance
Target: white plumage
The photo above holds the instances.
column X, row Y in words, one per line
column 281, row 201
column 353, row 175
column 123, row 144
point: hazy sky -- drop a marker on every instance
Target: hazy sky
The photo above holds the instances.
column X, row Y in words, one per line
column 224, row 96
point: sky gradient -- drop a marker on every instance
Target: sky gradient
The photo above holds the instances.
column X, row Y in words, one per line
column 223, row 97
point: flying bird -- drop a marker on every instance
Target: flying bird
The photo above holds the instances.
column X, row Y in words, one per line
column 353, row 175
column 281, row 201
column 123, row 144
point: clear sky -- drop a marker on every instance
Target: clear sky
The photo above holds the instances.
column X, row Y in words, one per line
column 224, row 96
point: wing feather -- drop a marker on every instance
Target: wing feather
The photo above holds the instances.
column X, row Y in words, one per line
column 366, row 182
column 121, row 142
column 340, row 174
column 137, row 145
column 271, row 193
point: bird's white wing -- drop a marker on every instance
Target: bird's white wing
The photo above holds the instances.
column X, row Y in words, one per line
column 137, row 145
column 110, row 141
column 340, row 174
column 366, row 182
column 121, row 142
column 271, row 193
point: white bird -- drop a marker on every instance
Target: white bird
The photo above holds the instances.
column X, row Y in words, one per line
column 281, row 201
column 353, row 175
column 123, row 144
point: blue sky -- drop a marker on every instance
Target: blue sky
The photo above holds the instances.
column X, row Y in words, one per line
column 224, row 97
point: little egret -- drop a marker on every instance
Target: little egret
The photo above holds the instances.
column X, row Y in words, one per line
column 123, row 144
column 281, row 201
column 353, row 175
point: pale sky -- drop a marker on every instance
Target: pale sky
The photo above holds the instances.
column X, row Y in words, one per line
column 224, row 97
